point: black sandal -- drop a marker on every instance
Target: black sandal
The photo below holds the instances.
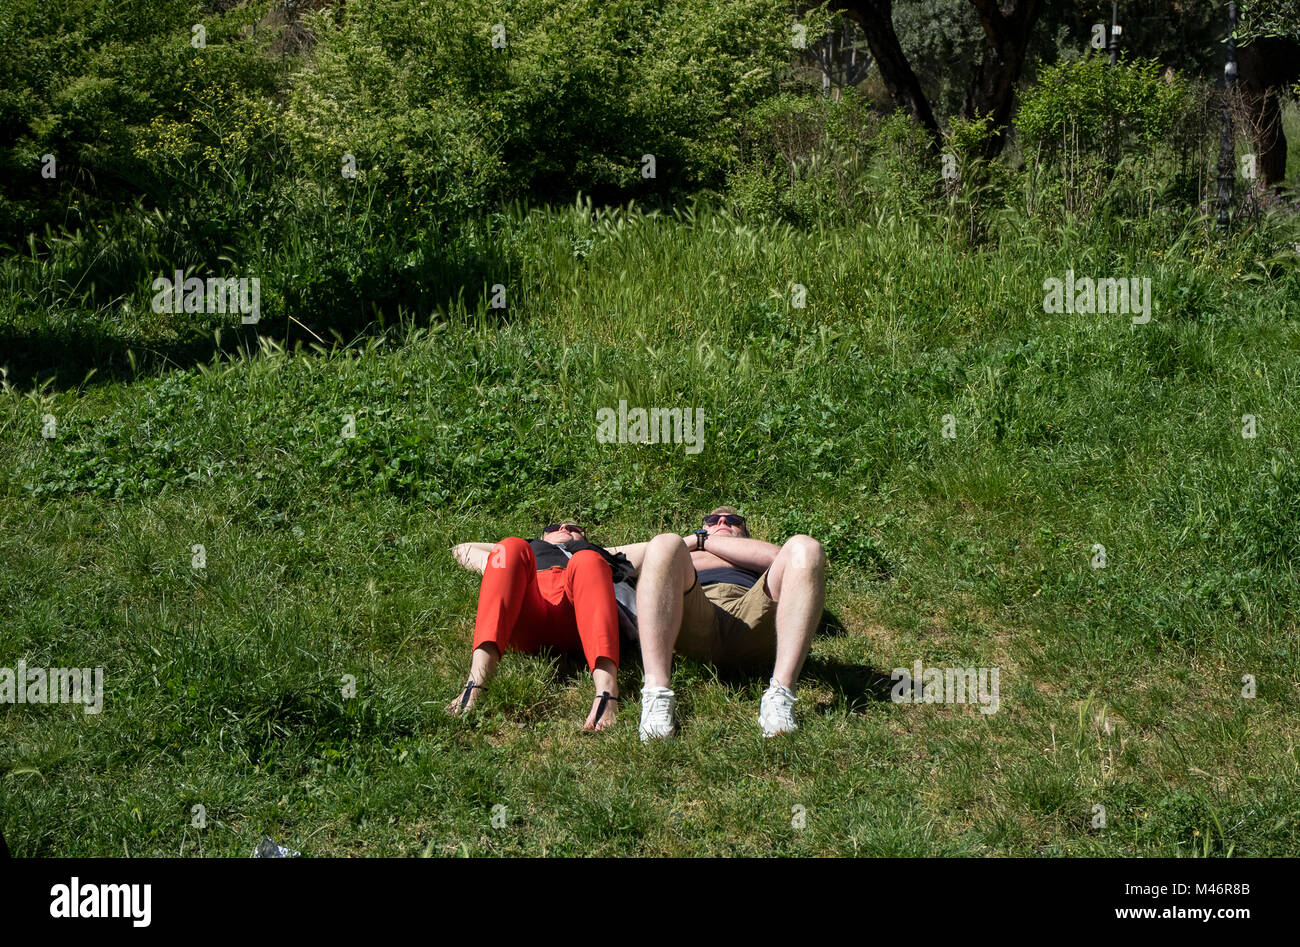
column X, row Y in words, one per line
column 605, row 698
column 469, row 686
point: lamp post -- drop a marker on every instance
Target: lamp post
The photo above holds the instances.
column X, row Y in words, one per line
column 1226, row 174
column 1114, row 32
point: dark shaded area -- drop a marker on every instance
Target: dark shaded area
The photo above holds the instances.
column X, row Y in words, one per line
column 1186, row 35
column 830, row 625
column 63, row 357
column 1265, row 67
column 4, row 849
column 858, row 684
column 332, row 312
column 876, row 18
column 992, row 87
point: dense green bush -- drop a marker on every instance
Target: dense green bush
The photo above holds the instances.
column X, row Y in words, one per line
column 472, row 103
column 973, row 185
column 229, row 158
column 1099, row 109
column 122, row 100
column 810, row 160
column 1090, row 132
column 803, row 158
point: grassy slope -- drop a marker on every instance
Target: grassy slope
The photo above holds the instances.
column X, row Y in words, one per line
column 325, row 556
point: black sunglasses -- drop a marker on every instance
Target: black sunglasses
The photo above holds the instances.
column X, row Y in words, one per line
column 570, row 527
column 731, row 519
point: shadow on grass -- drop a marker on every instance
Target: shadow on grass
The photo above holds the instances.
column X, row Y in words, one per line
column 341, row 311
column 858, row 684
column 830, row 626
column 62, row 357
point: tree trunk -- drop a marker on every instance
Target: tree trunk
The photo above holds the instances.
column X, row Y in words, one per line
column 1263, row 66
column 992, row 88
column 876, row 17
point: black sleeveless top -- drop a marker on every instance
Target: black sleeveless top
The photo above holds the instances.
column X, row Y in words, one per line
column 550, row 555
column 731, row 576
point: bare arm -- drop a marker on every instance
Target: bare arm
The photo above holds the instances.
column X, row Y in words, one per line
column 635, row 553
column 753, row 555
column 473, row 555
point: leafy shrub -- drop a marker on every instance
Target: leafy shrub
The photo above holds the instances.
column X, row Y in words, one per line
column 976, row 184
column 1100, row 108
column 904, row 174
column 1086, row 126
column 424, row 99
column 88, row 80
column 808, row 159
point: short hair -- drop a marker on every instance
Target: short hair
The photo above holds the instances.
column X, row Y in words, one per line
column 744, row 529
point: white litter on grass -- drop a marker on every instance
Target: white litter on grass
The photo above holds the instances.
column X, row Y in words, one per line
column 268, row 849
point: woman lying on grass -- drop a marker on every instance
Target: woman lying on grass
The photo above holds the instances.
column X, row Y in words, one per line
column 558, row 592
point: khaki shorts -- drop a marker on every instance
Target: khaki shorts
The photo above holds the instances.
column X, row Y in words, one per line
column 729, row 625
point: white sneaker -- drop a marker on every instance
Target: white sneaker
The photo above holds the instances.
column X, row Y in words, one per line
column 776, row 712
column 657, row 704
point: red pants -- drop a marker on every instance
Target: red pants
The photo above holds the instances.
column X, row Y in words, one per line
column 521, row 609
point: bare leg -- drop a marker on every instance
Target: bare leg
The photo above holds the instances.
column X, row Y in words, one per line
column 796, row 581
column 483, row 666
column 666, row 575
column 605, row 677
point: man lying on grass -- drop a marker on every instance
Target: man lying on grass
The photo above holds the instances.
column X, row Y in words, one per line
column 557, row 591
column 718, row 595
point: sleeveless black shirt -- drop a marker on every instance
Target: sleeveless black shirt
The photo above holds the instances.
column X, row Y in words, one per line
column 550, row 555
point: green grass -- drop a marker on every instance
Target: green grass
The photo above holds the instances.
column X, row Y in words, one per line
column 329, row 556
